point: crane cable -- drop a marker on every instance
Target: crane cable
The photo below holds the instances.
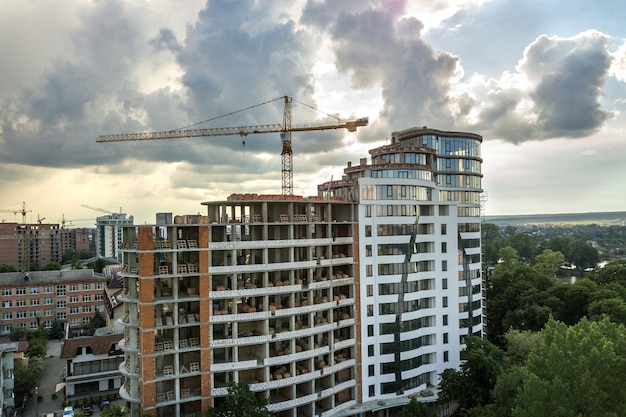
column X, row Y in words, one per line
column 230, row 114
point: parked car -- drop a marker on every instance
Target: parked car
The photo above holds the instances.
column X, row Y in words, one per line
column 87, row 409
column 68, row 411
column 104, row 404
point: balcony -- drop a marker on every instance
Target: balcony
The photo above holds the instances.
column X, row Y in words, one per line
column 125, row 395
column 252, row 292
column 277, row 405
column 294, row 357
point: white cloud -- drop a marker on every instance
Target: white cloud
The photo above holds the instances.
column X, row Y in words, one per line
column 109, row 67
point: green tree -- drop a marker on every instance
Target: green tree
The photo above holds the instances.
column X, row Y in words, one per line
column 614, row 308
column 549, row 262
column 505, row 392
column 519, row 344
column 509, row 259
column 576, row 300
column 56, row 331
column 52, row 266
column 575, row 371
column 97, row 320
column 27, row 376
column 38, row 343
column 473, row 383
column 417, row 409
column 7, row 268
column 240, row 402
column 610, row 273
column 113, row 410
column 583, row 255
column 18, row 333
column 97, row 266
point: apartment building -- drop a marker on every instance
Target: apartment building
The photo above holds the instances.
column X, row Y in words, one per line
column 420, row 266
column 109, row 234
column 8, row 351
column 346, row 303
column 262, row 290
column 76, row 239
column 31, row 298
column 92, row 363
column 24, row 245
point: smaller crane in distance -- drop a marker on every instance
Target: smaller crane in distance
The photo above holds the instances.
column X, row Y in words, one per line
column 69, row 222
column 284, row 129
column 23, row 211
column 99, row 209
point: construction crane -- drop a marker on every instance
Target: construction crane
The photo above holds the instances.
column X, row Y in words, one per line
column 63, row 220
column 15, row 212
column 285, row 129
column 99, row 209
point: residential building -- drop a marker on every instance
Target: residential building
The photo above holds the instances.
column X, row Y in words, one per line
column 8, row 350
column 34, row 297
column 92, row 363
column 25, row 245
column 109, row 234
column 345, row 303
column 76, row 239
column 420, row 265
column 263, row 293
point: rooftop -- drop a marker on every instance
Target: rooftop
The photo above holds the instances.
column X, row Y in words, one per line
column 12, row 279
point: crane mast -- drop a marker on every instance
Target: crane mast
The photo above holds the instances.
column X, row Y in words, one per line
column 285, row 129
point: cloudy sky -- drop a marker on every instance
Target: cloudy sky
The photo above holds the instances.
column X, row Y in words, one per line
column 543, row 82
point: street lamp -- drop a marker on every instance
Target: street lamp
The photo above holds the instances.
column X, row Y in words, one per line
column 36, row 402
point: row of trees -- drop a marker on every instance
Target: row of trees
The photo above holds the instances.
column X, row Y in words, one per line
column 525, row 297
column 27, row 373
column 555, row 347
column 576, row 249
column 561, row 371
column 68, row 257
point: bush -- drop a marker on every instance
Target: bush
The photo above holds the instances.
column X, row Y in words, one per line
column 54, row 396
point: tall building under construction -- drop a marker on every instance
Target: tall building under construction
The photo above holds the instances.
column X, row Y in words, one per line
column 345, row 303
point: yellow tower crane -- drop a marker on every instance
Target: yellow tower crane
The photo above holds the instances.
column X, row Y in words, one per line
column 22, row 210
column 284, row 129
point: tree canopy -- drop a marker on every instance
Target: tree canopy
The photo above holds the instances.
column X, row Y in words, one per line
column 472, row 384
column 575, row 371
column 240, row 402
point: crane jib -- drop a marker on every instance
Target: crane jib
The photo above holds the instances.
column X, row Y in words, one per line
column 230, row 131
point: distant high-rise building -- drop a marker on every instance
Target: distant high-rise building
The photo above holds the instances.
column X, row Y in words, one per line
column 109, row 234
column 345, row 303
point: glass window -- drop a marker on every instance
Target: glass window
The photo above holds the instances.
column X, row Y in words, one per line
column 20, row 291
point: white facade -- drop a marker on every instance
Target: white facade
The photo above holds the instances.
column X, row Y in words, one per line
column 419, row 244
column 109, row 234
